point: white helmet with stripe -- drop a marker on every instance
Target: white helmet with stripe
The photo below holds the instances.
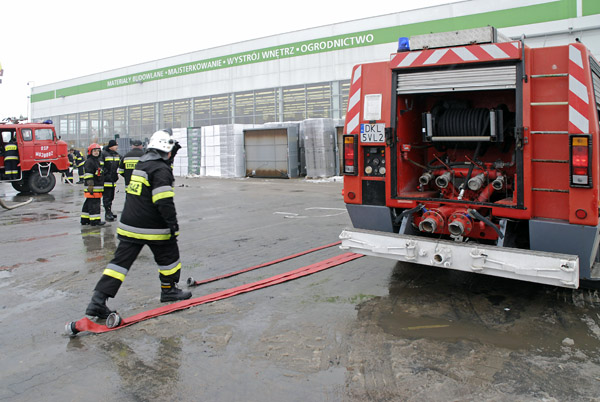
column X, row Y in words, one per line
column 162, row 141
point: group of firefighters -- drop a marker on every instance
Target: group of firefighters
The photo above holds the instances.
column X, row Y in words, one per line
column 148, row 218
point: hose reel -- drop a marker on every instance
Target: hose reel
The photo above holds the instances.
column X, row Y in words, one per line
column 463, row 124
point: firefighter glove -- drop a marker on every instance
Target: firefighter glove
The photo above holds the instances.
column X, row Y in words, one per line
column 91, row 189
column 174, row 230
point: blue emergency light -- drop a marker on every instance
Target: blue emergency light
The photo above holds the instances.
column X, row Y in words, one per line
column 403, row 44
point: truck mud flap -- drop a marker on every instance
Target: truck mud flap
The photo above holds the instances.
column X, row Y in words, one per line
column 526, row 265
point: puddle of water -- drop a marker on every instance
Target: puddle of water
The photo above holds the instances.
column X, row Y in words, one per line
column 452, row 306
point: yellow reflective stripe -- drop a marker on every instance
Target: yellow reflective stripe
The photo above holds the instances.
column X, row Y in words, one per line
column 11, row 158
column 114, row 274
column 170, row 271
column 140, row 179
column 109, row 184
column 10, row 147
column 164, row 194
column 143, row 236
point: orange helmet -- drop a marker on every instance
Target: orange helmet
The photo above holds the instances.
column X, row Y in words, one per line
column 92, row 147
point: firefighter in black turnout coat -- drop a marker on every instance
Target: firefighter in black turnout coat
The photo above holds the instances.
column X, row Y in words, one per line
column 130, row 160
column 11, row 159
column 149, row 217
column 79, row 162
column 94, row 187
column 111, row 165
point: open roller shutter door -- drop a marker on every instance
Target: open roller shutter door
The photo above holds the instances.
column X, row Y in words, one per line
column 468, row 79
column 266, row 153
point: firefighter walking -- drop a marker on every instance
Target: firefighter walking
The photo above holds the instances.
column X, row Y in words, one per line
column 111, row 165
column 93, row 178
column 149, row 217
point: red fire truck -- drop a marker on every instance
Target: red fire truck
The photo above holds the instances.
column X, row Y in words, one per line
column 40, row 154
column 472, row 152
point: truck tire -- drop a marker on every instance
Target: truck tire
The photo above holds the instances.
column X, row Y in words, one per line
column 22, row 186
column 41, row 184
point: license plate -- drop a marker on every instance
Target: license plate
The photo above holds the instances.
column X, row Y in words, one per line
column 372, row 133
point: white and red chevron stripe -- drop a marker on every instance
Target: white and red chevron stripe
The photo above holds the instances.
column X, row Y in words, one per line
column 453, row 55
column 353, row 113
column 578, row 93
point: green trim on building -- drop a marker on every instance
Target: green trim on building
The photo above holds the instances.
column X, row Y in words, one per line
column 42, row 96
column 552, row 11
column 590, row 7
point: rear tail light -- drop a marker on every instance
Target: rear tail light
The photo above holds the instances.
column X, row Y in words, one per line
column 581, row 159
column 350, row 154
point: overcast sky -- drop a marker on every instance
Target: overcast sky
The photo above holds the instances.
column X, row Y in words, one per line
column 49, row 41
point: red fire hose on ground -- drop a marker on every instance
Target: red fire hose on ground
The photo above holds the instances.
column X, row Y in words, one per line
column 114, row 321
column 191, row 282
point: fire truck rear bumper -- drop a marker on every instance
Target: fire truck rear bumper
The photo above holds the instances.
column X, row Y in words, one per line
column 526, row 265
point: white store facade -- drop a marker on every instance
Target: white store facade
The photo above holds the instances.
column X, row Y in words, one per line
column 289, row 77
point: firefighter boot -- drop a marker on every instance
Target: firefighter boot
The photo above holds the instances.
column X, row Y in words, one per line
column 109, row 212
column 97, row 306
column 170, row 292
column 108, row 216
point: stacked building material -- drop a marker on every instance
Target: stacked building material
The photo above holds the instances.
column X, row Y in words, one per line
column 193, row 148
column 222, row 151
column 180, row 164
column 319, row 137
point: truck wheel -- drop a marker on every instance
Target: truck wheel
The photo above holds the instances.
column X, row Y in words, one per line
column 22, row 186
column 40, row 184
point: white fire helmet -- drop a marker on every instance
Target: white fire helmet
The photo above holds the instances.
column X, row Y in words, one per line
column 162, row 141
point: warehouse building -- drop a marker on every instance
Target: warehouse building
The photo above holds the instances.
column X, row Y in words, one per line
column 279, row 81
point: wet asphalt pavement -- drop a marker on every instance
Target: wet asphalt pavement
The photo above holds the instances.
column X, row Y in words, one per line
column 368, row 330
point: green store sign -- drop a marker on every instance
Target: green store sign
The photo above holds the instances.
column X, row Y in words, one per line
column 551, row 11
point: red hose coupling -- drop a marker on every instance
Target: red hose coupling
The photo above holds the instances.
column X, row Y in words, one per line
column 460, row 223
column 432, row 222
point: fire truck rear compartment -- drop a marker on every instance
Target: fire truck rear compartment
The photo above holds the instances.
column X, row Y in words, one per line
column 456, row 151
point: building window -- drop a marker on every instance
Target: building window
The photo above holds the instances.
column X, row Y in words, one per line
column 71, row 128
column 107, row 125
column 201, row 111
column 244, row 108
column 318, row 101
column 134, row 128
column 344, row 91
column 120, row 123
column 61, row 126
column 84, row 125
column 166, row 115
column 148, row 120
column 219, row 106
column 181, row 113
column 294, row 103
column 94, row 132
column 265, row 106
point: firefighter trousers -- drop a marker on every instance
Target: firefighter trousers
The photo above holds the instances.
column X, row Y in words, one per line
column 90, row 212
column 166, row 256
column 108, row 196
column 11, row 169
